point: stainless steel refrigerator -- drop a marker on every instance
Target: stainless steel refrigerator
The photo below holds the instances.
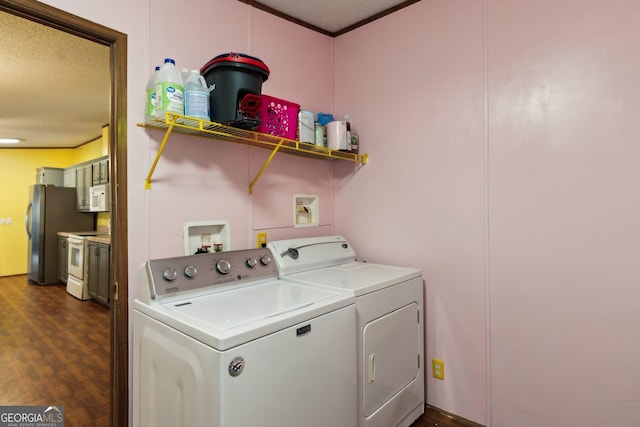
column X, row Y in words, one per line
column 51, row 209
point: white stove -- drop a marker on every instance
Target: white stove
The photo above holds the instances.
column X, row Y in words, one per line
column 78, row 263
column 220, row 341
column 389, row 330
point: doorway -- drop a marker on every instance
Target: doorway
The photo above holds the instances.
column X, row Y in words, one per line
column 117, row 44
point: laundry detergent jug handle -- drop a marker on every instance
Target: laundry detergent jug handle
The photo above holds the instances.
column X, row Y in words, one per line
column 204, row 84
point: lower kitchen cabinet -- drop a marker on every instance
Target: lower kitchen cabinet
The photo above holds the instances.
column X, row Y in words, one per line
column 63, row 257
column 99, row 262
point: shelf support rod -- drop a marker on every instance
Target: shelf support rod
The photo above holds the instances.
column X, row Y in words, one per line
column 147, row 181
column 264, row 166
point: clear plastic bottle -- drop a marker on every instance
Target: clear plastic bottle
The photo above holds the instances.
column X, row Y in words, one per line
column 169, row 90
column 150, row 111
column 185, row 72
column 196, row 96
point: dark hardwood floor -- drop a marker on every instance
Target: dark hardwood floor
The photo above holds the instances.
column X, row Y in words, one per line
column 434, row 417
column 54, row 350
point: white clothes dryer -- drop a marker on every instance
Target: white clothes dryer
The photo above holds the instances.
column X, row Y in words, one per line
column 389, row 325
column 219, row 341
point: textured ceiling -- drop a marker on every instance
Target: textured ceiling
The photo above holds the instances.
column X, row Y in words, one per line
column 55, row 86
column 331, row 17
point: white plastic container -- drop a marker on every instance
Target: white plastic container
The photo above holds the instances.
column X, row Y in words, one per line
column 150, row 111
column 169, row 90
column 338, row 138
column 196, row 96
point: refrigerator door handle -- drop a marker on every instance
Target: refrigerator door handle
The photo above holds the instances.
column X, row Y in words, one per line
column 27, row 219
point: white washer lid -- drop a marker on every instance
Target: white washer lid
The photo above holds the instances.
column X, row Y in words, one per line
column 357, row 277
column 226, row 319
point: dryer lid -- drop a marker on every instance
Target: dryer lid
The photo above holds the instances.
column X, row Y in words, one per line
column 357, row 277
column 296, row 255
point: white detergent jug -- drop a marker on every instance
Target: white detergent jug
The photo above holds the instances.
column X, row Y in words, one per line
column 196, row 96
column 169, row 90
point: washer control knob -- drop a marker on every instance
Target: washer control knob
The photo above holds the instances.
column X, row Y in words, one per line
column 252, row 262
column 170, row 274
column 223, row 266
column 265, row 260
column 190, row 271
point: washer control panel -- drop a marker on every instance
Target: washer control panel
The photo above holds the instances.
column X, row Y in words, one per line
column 170, row 277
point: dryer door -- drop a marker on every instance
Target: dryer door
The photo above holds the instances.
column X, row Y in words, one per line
column 390, row 356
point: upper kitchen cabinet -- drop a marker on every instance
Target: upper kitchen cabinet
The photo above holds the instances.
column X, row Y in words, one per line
column 84, row 180
column 85, row 175
column 101, row 171
column 50, row 176
column 69, row 178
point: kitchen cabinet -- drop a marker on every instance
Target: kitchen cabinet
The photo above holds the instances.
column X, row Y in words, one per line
column 84, row 180
column 63, row 258
column 99, row 262
column 49, row 176
column 219, row 132
column 85, row 175
column 69, row 177
column 100, row 171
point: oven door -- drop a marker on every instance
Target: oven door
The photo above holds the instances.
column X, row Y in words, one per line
column 76, row 257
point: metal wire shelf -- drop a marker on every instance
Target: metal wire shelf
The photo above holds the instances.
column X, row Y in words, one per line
column 206, row 129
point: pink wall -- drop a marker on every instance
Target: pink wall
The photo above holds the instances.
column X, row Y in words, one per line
column 502, row 163
column 501, row 142
column 413, row 85
column 563, row 113
column 199, row 179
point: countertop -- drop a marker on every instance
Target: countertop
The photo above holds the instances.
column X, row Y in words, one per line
column 82, row 233
column 100, row 238
column 97, row 236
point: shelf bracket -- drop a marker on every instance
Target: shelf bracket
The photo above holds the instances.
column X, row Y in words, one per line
column 171, row 123
column 264, row 166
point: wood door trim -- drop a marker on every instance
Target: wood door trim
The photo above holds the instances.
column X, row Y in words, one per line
column 117, row 42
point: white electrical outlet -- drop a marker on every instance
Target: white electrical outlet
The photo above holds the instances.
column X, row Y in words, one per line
column 9, row 220
column 2, row 221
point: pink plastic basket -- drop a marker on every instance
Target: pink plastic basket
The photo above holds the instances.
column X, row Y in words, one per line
column 279, row 117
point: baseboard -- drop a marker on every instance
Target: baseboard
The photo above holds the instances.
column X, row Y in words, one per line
column 456, row 418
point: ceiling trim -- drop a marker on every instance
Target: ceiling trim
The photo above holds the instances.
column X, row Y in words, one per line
column 352, row 27
column 375, row 17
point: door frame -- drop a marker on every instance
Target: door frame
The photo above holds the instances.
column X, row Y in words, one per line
column 119, row 289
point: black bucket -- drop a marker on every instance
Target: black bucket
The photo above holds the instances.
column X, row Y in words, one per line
column 233, row 75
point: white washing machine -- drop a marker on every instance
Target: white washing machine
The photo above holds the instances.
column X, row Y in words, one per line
column 389, row 313
column 219, row 341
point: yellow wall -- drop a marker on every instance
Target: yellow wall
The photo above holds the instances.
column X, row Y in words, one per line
column 17, row 173
column 94, row 149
